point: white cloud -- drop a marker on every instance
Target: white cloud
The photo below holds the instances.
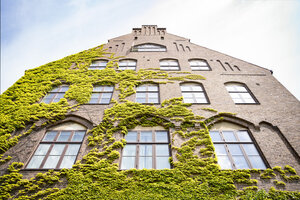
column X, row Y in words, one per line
column 261, row 32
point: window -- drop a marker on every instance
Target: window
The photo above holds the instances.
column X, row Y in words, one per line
column 149, row 47
column 147, row 93
column 56, row 94
column 193, row 93
column 146, row 149
column 240, row 94
column 127, row 64
column 98, row 64
column 199, row 65
column 59, row 148
column 169, row 65
column 101, row 94
column 236, row 150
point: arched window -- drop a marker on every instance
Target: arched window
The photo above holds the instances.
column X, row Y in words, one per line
column 149, row 47
column 98, row 64
column 56, row 94
column 147, row 93
column 127, row 64
column 169, row 64
column 193, row 93
column 199, row 65
column 235, row 148
column 146, row 149
column 59, row 147
column 240, row 94
column 101, row 94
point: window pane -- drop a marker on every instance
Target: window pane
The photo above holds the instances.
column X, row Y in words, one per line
column 51, row 162
column 224, row 162
column 240, row 162
column 215, row 136
column 42, row 149
column 229, row 136
column 131, row 137
column 128, row 162
column 129, row 150
column 145, row 163
column 220, row 149
column 257, row 162
column 145, row 150
column 93, row 100
column 162, row 163
column 35, row 162
column 152, row 88
column 78, row 136
column 98, row 88
column 196, row 88
column 250, row 149
column 139, row 100
column 67, row 162
column 146, row 136
column 162, row 150
column 50, row 136
column 57, row 149
column 235, row 149
column 153, row 95
column 141, row 88
column 185, row 88
column 201, row 100
column 187, row 95
column 244, row 136
column 64, row 88
column 104, row 101
column 185, row 100
column 64, row 136
column 108, row 88
column 140, row 95
column 161, row 136
column 152, row 100
column 72, row 149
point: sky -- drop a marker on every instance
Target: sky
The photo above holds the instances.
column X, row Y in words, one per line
column 262, row 32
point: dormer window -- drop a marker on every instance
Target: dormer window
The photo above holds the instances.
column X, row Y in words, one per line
column 149, row 47
column 98, row 64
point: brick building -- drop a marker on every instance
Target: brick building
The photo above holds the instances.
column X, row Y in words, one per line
column 253, row 120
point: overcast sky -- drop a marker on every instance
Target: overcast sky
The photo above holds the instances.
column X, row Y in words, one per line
column 262, row 32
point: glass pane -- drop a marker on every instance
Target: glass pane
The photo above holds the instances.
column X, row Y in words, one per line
column 35, row 162
column 64, row 88
column 108, row 88
column 128, row 162
column 187, row 95
column 162, row 150
column 153, row 95
column 67, row 162
column 235, row 149
column 94, row 100
column 46, row 100
column 140, row 95
column 240, row 162
column 161, row 136
column 244, row 136
column 56, row 89
column 57, row 149
column 104, row 101
column 42, row 149
column 106, row 95
column 64, row 136
column 199, row 95
column 250, row 149
column 229, row 136
column 50, row 96
column 224, row 162
column 141, row 88
column 185, row 88
column 95, row 95
column 50, row 136
column 197, row 88
column 51, row 162
column 162, row 163
column 152, row 100
column 152, row 88
column 72, row 149
column 131, row 137
column 185, row 100
column 129, row 150
column 257, row 162
column 98, row 88
column 240, row 88
column 201, row 100
column 215, row 136
column 139, row 100
column 145, row 163
column 78, row 136
column 220, row 149
column 145, row 150
column 146, row 136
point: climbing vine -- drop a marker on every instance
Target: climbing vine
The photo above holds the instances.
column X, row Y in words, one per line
column 195, row 173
